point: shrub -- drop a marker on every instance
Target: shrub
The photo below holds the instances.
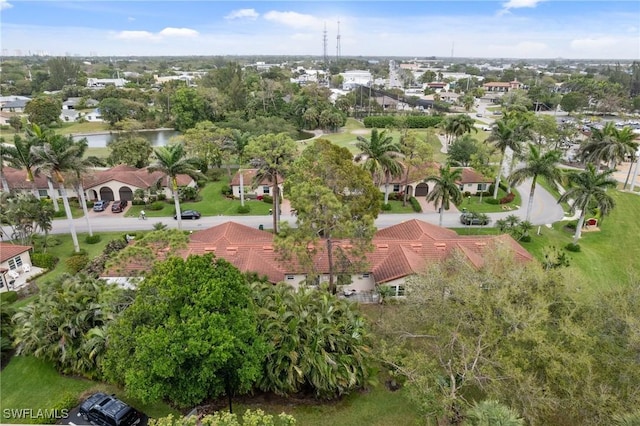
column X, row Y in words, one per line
column 386, row 207
column 415, row 204
column 156, row 205
column 226, row 190
column 493, row 201
column 44, row 260
column 214, row 174
column 92, row 239
column 114, row 246
column 573, row 247
column 77, row 263
column 243, row 209
column 162, row 196
column 467, row 194
column 65, row 403
column 507, row 198
column 60, row 213
column 572, row 225
column 267, row 199
column 259, row 197
column 137, row 202
column 188, row 193
column 89, row 204
column 9, row 296
column 525, row 239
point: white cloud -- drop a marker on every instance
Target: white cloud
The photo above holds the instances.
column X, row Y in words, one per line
column 4, row 4
column 178, row 32
column 593, row 43
column 294, row 20
column 516, row 4
column 250, row 14
column 135, row 35
column 131, row 19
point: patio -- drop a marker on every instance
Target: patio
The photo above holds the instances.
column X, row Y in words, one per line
column 18, row 278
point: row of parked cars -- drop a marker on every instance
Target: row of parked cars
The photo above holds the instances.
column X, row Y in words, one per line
column 116, row 207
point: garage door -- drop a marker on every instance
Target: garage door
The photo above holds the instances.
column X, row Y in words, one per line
column 422, row 189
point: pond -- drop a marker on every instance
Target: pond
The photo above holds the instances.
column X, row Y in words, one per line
column 156, row 137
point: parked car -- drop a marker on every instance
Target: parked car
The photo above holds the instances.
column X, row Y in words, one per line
column 471, row 218
column 188, row 214
column 119, row 206
column 107, row 410
column 100, row 205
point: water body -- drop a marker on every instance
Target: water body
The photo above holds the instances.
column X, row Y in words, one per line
column 156, row 137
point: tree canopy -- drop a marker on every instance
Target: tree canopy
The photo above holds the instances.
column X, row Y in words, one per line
column 190, row 334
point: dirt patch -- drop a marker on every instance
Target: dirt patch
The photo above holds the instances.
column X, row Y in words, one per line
column 360, row 132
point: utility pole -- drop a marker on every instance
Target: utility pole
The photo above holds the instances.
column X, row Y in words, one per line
column 338, row 48
column 324, row 47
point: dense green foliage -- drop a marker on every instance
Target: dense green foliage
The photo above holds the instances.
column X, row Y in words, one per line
column 190, row 334
column 223, row 418
column 317, row 344
column 66, row 323
column 410, row 121
column 43, row 110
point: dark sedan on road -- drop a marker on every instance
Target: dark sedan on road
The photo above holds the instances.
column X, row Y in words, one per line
column 189, row 214
column 470, row 218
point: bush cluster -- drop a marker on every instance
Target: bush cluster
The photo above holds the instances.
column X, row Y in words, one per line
column 411, row 121
column 9, row 296
column 44, row 260
column 96, row 266
column 415, row 204
column 573, row 247
column 507, row 198
column 156, row 205
column 267, row 199
column 243, row 209
column 77, row 263
column 92, row 239
column 226, row 190
column 386, row 207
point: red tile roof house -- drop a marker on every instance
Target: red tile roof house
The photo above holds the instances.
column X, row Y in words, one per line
column 248, row 176
column 398, row 252
column 120, row 182
column 117, row 183
column 470, row 181
column 15, row 266
column 499, row 86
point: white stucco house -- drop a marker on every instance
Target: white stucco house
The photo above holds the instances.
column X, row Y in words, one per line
column 253, row 188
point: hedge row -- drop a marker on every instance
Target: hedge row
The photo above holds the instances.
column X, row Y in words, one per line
column 411, row 121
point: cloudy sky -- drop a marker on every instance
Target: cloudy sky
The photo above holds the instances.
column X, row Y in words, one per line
column 503, row 29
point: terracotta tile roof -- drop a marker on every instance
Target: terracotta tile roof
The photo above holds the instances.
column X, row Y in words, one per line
column 469, row 175
column 398, row 251
column 139, row 178
column 249, row 175
column 8, row 250
column 17, row 179
column 417, row 174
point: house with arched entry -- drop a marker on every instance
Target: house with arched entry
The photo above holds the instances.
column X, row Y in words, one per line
column 121, row 182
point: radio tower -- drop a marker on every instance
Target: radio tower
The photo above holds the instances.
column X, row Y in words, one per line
column 324, row 45
column 338, row 49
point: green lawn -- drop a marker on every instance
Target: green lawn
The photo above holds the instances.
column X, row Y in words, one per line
column 87, row 127
column 212, row 203
column 608, row 258
column 377, row 407
column 397, row 207
column 29, row 383
column 473, row 204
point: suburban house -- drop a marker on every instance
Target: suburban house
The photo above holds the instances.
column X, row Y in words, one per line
column 499, row 86
column 117, row 183
column 398, row 251
column 252, row 188
column 16, row 105
column 120, row 182
column 94, row 115
column 72, row 103
column 14, row 261
column 470, row 181
column 473, row 182
column 438, row 86
column 103, row 82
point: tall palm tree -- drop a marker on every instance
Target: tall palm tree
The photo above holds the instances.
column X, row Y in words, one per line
column 58, row 155
column 445, row 189
column 589, row 186
column 504, row 136
column 538, row 165
column 382, row 158
column 79, row 167
column 38, row 136
column 4, row 156
column 172, row 161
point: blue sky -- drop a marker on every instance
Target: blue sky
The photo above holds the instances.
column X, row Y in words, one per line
column 501, row 29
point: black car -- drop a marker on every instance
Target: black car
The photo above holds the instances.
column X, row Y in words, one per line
column 107, row 410
column 100, row 205
column 470, row 218
column 189, row 214
column 119, row 206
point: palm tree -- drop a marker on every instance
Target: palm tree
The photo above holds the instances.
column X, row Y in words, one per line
column 609, row 144
column 56, row 156
column 382, row 158
column 79, row 167
column 445, row 189
column 38, row 136
column 19, row 157
column 457, row 125
column 172, row 161
column 538, row 165
column 492, row 413
column 589, row 186
column 503, row 136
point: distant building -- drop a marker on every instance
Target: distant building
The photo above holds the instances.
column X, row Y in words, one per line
column 504, row 87
column 355, row 78
column 103, row 82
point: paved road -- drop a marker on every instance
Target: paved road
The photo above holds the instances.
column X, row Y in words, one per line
column 545, row 211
